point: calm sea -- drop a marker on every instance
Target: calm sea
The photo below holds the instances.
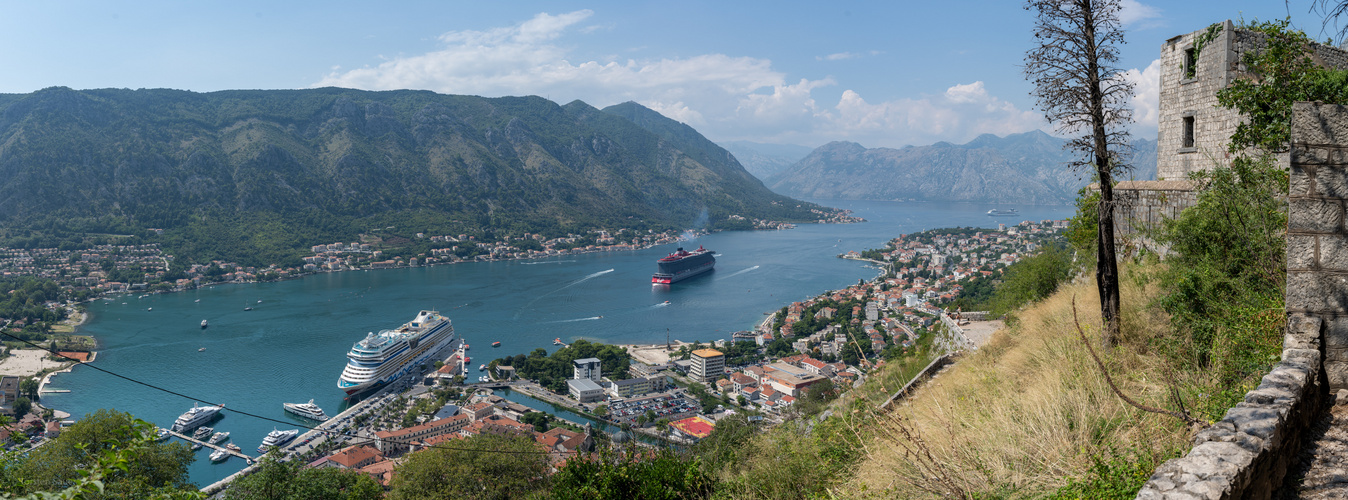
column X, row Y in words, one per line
column 291, row 347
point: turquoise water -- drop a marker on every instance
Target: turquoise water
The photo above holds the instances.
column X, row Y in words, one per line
column 291, row 347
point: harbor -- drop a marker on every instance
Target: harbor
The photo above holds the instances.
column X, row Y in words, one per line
column 294, row 349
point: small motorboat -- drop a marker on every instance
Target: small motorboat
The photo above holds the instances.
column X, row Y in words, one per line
column 203, row 324
column 496, row 344
column 557, row 341
column 149, row 309
column 203, row 349
column 198, row 300
column 481, row 367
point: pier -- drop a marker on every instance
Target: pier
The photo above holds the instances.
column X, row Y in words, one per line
column 185, row 437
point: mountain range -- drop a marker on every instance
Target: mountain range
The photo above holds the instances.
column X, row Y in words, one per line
column 1026, row 168
column 266, row 170
column 766, row 160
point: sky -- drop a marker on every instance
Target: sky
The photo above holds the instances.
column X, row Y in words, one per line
column 880, row 73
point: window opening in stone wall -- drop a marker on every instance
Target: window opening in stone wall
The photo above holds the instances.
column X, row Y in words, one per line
column 1188, row 132
column 1190, row 63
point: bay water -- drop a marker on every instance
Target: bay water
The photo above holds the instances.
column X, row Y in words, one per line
column 292, row 345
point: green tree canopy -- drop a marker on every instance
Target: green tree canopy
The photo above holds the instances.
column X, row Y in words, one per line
column 291, row 480
column 486, row 466
column 153, row 469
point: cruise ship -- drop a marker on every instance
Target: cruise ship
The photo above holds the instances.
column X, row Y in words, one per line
column 195, row 417
column 382, row 357
column 307, row 410
column 682, row 265
column 277, row 438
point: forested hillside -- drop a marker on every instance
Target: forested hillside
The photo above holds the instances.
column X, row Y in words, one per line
column 255, row 175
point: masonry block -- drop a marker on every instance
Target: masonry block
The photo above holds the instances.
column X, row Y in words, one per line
column 1311, row 155
column 1299, row 180
column 1317, row 292
column 1303, row 332
column 1335, row 334
column 1314, row 215
column 1332, row 181
column 1301, row 251
column 1314, row 123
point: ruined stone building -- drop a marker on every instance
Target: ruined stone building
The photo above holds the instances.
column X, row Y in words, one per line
column 1193, row 130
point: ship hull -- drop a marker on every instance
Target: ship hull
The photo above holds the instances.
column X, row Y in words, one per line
column 682, row 265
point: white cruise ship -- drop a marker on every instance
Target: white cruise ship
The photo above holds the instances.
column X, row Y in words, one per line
column 307, row 410
column 382, row 357
column 195, row 417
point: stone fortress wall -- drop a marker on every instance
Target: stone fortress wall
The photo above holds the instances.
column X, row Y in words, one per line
column 1248, row 454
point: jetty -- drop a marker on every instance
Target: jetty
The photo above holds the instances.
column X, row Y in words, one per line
column 185, row 437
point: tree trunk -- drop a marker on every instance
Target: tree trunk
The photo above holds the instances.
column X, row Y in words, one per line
column 1106, row 267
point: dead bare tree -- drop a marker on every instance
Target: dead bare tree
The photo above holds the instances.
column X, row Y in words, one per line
column 1079, row 88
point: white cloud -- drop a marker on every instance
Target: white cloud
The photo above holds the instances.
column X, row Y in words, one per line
column 725, row 97
column 1132, row 12
column 1146, row 100
column 838, row 56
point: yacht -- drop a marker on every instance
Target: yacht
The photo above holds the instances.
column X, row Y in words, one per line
column 161, row 434
column 219, row 437
column 307, row 410
column 203, row 324
column 203, row 432
column 219, row 456
column 196, row 446
column 383, row 357
column 277, row 438
column 195, row 417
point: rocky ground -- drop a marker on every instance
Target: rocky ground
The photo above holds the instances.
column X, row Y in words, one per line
column 1323, row 470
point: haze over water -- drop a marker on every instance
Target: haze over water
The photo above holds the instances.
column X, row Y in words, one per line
column 292, row 346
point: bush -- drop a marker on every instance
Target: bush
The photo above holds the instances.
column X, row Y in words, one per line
column 1226, row 276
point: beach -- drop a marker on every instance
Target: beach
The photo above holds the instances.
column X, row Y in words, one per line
column 27, row 362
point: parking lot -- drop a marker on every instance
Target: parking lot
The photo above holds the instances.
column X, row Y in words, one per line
column 667, row 406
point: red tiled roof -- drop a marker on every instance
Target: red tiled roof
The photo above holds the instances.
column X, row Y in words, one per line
column 695, row 426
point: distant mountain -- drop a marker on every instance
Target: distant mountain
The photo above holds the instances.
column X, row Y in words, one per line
column 1028, row 168
column 766, row 160
column 257, row 173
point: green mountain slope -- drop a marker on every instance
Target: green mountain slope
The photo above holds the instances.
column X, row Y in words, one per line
column 234, row 173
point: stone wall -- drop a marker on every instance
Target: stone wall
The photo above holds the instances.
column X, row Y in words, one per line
column 1248, row 453
column 1140, row 206
column 1317, row 241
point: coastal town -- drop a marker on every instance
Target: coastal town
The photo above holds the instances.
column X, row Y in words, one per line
column 798, row 358
column 108, row 268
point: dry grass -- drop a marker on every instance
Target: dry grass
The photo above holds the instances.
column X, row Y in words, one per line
column 1029, row 410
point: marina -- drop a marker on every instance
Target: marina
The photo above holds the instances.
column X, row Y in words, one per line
column 212, row 446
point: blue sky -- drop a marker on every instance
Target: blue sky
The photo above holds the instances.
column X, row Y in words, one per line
column 886, row 73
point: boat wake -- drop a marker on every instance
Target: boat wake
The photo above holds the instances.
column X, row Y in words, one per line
column 662, row 304
column 737, row 273
column 564, row 287
column 591, row 318
column 546, row 262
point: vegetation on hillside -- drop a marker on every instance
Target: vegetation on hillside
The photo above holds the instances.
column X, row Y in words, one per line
column 107, row 454
column 257, row 177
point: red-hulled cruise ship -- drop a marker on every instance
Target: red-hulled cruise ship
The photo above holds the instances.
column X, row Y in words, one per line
column 682, row 265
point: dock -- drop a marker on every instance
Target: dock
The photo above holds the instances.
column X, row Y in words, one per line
column 185, row 437
column 54, row 391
